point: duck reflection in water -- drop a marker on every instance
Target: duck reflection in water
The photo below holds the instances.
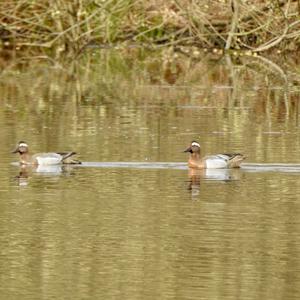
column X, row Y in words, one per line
column 23, row 176
column 194, row 181
column 28, row 171
column 197, row 175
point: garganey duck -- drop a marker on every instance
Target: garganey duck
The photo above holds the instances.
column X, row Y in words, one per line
column 218, row 161
column 50, row 158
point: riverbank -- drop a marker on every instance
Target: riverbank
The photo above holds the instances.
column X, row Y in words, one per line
column 60, row 27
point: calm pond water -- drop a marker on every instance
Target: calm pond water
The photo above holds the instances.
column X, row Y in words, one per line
column 145, row 229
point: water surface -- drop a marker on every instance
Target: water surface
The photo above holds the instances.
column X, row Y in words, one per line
column 132, row 222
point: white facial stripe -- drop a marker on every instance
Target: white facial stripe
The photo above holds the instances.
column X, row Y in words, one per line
column 194, row 144
column 23, row 145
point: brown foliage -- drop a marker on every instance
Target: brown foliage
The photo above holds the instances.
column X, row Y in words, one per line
column 68, row 26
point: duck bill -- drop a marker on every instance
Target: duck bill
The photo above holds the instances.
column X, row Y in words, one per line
column 189, row 149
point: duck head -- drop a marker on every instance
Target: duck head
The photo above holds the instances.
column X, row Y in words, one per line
column 21, row 148
column 193, row 148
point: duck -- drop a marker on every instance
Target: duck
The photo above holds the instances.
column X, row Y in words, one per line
column 217, row 161
column 50, row 158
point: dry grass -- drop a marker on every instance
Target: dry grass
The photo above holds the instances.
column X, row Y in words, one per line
column 59, row 26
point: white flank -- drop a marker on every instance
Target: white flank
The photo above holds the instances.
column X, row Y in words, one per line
column 49, row 159
column 216, row 163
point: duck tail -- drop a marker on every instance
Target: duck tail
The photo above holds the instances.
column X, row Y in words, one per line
column 236, row 159
column 66, row 156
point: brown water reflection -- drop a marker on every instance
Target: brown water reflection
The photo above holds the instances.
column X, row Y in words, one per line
column 108, row 99
column 149, row 233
